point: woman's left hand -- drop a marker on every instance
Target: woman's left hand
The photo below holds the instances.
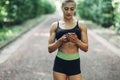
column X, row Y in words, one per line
column 72, row 37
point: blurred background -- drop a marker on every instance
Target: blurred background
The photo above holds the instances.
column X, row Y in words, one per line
column 29, row 22
column 17, row 16
column 20, row 15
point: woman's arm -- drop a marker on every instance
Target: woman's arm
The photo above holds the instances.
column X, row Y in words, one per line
column 83, row 43
column 52, row 44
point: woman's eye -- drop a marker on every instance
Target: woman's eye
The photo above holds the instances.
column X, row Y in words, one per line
column 66, row 8
column 72, row 9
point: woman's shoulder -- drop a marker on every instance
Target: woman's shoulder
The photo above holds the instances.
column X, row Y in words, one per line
column 54, row 25
column 82, row 24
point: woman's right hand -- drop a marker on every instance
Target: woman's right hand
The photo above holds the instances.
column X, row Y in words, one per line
column 64, row 39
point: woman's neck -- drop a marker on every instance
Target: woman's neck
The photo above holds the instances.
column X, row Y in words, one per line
column 68, row 20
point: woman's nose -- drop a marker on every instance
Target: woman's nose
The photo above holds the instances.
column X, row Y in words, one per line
column 69, row 11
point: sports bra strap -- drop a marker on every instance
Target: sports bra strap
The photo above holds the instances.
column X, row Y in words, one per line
column 77, row 22
column 57, row 25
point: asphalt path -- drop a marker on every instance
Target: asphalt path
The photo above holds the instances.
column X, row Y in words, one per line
column 27, row 58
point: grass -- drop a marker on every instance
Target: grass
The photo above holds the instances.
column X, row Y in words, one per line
column 9, row 33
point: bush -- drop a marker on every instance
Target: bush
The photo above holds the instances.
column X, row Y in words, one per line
column 48, row 8
column 117, row 15
column 99, row 11
column 17, row 11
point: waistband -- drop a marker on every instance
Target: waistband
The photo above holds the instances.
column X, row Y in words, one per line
column 65, row 56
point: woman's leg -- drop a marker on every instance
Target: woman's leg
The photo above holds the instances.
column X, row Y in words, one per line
column 59, row 76
column 75, row 77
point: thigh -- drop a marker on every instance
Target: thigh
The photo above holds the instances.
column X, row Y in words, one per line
column 75, row 77
column 59, row 76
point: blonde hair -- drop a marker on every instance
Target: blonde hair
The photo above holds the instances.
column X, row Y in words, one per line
column 66, row 1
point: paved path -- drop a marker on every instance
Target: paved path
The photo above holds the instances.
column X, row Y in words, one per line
column 28, row 58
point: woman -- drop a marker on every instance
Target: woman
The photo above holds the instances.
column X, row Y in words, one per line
column 68, row 36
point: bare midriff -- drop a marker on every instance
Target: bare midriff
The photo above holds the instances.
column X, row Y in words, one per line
column 68, row 48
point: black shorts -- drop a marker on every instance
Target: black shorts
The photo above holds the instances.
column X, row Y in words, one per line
column 68, row 67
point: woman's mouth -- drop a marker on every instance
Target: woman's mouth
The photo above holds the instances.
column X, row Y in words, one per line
column 68, row 15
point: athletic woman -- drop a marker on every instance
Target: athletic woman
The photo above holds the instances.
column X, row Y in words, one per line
column 67, row 36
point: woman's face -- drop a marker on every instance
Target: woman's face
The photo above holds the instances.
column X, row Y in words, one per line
column 68, row 10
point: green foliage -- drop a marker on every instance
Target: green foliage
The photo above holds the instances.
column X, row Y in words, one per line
column 99, row 11
column 49, row 8
column 17, row 11
column 117, row 16
column 8, row 33
column 14, row 12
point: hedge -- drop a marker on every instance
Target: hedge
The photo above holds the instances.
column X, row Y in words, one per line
column 99, row 11
column 17, row 11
